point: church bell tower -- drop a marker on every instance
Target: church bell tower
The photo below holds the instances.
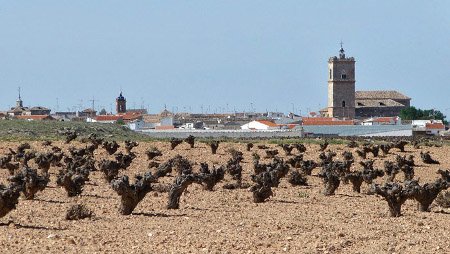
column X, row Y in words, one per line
column 341, row 86
column 121, row 104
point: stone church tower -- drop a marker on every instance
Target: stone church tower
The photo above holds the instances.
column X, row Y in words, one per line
column 121, row 104
column 341, row 86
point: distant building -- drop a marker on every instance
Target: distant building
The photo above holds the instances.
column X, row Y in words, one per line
column 341, row 86
column 104, row 119
column 20, row 110
column 380, row 103
column 345, row 102
column 121, row 104
column 260, row 125
column 89, row 112
column 131, row 116
column 136, row 125
column 395, row 120
column 427, row 127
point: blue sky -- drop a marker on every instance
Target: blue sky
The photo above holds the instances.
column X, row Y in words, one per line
column 214, row 55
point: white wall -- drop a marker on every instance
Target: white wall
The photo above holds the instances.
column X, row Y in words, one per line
column 255, row 125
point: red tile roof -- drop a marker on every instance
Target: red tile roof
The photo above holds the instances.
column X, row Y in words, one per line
column 130, row 116
column 165, row 127
column 268, row 123
column 292, row 126
column 384, row 119
column 435, row 126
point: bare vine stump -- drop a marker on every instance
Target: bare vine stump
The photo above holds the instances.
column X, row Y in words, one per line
column 331, row 181
column 445, row 175
column 295, row 178
column 295, row 161
column 209, row 178
column 110, row 147
column 361, row 153
column 356, row 180
column 270, row 154
column 73, row 183
column 214, row 145
column 234, row 168
column 427, row 193
column 287, row 149
column 391, row 170
column 268, row 178
column 30, row 181
column 69, row 135
column 323, row 146
column 129, row 145
column 9, row 197
column 131, row 195
column 164, row 169
column 190, row 140
column 44, row 161
column 262, row 147
column 176, row 190
column 385, row 148
column 152, row 153
column 443, row 199
column 426, row 158
column 307, row 166
column 395, row 196
column 408, row 171
column 78, row 212
column 110, row 169
column 95, row 140
column 400, row 145
column 352, row 144
column 174, row 142
column 300, row 148
column 6, row 163
column 261, row 193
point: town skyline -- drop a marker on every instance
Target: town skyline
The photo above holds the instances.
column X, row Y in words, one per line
column 250, row 62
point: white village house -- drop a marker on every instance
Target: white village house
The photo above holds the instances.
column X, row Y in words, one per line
column 260, row 125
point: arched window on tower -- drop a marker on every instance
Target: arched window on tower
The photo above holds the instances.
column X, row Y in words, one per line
column 343, row 75
column 343, row 104
column 330, row 73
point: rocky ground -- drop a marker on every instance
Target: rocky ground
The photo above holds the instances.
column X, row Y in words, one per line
column 295, row 220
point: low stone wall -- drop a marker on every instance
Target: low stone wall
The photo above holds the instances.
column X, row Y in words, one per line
column 245, row 134
column 354, row 130
column 345, row 130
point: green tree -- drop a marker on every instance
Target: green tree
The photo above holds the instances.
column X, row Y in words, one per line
column 412, row 113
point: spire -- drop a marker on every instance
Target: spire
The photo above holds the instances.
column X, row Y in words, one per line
column 121, row 96
column 19, row 102
column 342, row 52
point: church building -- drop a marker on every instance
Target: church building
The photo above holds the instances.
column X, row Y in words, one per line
column 346, row 103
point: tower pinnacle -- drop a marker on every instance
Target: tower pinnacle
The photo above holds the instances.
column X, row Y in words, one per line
column 19, row 102
column 342, row 52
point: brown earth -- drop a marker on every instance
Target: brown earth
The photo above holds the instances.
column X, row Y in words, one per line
column 295, row 220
